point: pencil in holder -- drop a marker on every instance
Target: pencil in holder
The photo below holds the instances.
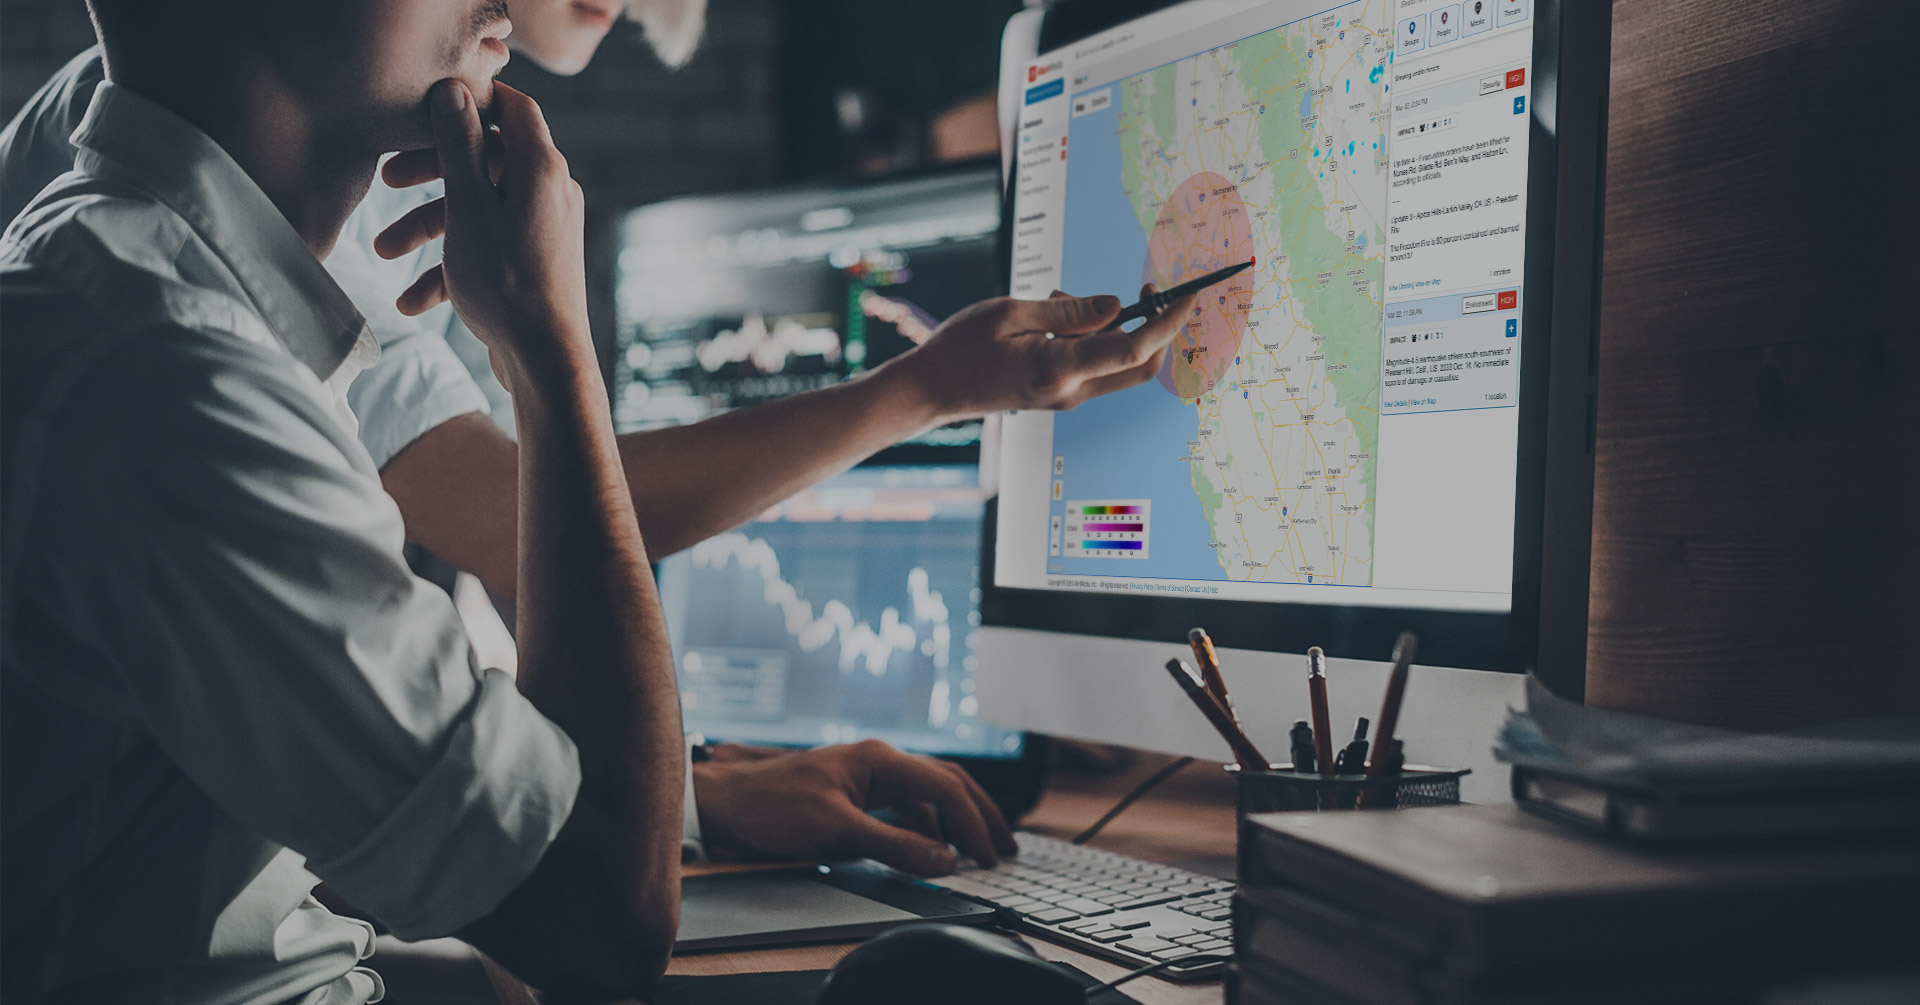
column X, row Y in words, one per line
column 1280, row 788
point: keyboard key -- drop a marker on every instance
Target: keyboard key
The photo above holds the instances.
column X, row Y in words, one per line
column 1147, row 945
column 1051, row 916
column 1173, row 953
column 1086, row 907
column 1147, row 901
column 1109, row 935
column 1129, row 924
column 1218, row 914
column 1193, row 938
column 1212, row 946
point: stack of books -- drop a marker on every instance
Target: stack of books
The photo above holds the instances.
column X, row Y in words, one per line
column 1642, row 779
column 1493, row 904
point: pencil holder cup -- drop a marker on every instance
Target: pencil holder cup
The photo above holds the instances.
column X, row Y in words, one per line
column 1279, row 787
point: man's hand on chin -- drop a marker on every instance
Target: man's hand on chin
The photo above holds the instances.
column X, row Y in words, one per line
column 813, row 805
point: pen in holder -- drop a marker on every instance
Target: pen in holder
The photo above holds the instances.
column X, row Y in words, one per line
column 1279, row 787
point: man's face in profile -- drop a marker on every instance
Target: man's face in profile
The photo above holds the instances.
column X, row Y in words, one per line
column 365, row 67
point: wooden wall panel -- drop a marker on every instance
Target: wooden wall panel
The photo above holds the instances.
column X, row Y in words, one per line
column 1756, row 521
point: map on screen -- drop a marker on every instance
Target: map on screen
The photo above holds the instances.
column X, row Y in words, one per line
column 1252, row 456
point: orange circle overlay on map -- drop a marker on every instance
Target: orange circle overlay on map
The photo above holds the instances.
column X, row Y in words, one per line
column 1203, row 226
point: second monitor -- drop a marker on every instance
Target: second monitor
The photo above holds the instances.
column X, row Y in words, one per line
column 850, row 611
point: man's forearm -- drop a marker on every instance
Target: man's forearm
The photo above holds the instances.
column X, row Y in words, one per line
column 593, row 647
column 691, row 482
column 456, row 485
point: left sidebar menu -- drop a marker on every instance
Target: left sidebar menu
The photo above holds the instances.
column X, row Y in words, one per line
column 1040, row 177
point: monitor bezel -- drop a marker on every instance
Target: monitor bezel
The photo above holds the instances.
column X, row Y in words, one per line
column 1549, row 576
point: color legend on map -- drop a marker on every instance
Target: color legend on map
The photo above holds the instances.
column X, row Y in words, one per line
column 1107, row 528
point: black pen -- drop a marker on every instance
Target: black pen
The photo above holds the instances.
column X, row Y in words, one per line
column 1154, row 303
column 1353, row 759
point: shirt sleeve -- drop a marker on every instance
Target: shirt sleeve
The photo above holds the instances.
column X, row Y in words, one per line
column 220, row 549
column 693, row 846
column 36, row 147
column 419, row 382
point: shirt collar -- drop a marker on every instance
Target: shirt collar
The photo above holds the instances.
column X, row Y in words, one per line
column 129, row 138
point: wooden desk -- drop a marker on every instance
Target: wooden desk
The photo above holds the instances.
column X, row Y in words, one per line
column 1187, row 821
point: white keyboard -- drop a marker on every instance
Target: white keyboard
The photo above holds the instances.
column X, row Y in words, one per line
column 1109, row 905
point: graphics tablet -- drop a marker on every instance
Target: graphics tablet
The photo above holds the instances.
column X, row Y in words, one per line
column 828, row 903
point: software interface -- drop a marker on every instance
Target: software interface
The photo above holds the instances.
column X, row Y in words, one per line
column 728, row 302
column 1337, row 424
column 846, row 612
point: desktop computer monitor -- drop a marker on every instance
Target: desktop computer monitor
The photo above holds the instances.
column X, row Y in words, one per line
column 848, row 612
column 1384, row 425
column 725, row 302
column 851, row 610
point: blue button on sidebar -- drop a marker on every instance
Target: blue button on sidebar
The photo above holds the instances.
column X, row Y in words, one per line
column 1513, row 327
column 1051, row 88
column 1519, row 103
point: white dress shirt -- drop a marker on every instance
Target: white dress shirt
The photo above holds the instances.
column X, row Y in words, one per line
column 218, row 678
column 421, row 382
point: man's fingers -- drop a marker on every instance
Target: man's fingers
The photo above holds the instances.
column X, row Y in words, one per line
column 417, row 167
column 1065, row 315
column 1112, row 382
column 897, row 846
column 920, row 818
column 421, row 224
column 426, row 293
column 902, row 777
column 1113, row 351
column 997, row 829
column 411, row 167
column 459, row 139
column 523, row 129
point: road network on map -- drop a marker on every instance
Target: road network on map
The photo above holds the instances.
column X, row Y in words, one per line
column 1274, row 148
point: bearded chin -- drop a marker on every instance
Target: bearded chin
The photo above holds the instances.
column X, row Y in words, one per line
column 673, row 27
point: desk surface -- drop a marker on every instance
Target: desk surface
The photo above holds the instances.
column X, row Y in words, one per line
column 1187, row 821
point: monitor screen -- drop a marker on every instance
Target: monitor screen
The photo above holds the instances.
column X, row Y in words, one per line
column 1339, row 424
column 847, row 612
column 729, row 301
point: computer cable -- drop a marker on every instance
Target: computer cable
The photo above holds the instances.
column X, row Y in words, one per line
column 1130, row 798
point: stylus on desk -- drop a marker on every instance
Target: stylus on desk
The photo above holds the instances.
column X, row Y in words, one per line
column 1243, row 749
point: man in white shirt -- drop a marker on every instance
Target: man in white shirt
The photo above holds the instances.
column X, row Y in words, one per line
column 219, row 679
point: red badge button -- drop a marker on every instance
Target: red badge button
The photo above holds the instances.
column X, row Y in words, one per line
column 1516, row 78
column 1509, row 300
